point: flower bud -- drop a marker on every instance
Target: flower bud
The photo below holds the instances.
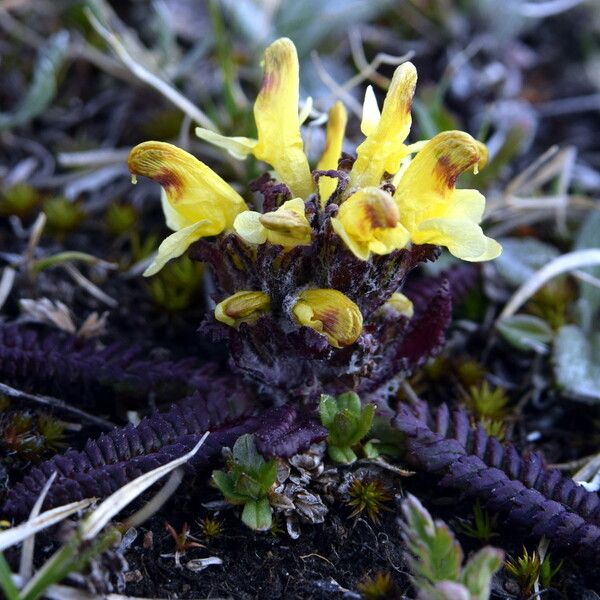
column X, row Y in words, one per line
column 401, row 304
column 287, row 226
column 331, row 314
column 243, row 307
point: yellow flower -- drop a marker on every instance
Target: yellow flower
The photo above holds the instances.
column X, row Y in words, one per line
column 336, row 128
column 286, row 226
column 331, row 314
column 369, row 222
column 196, row 201
column 243, row 307
column 276, row 114
column 433, row 211
column 384, row 147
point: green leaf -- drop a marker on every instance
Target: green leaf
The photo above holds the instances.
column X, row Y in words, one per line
column 6, row 583
column 577, row 363
column 341, row 432
column 258, row 515
column 349, row 401
column 341, row 454
column 437, row 554
column 327, row 409
column 246, row 455
column 248, row 486
column 589, row 237
column 364, row 423
column 521, row 258
column 43, row 85
column 526, row 332
column 226, row 486
column 268, row 475
column 371, row 449
column 479, row 570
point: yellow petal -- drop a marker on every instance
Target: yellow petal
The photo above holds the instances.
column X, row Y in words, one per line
column 194, row 191
column 433, row 211
column 331, row 314
column 359, row 248
column 238, row 147
column 336, row 128
column 176, row 244
column 464, row 239
column 276, row 115
column 248, row 226
column 173, row 219
column 435, row 169
column 371, row 113
column 384, row 147
column 467, row 204
column 243, row 307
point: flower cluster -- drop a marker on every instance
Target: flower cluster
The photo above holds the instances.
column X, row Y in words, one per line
column 304, row 280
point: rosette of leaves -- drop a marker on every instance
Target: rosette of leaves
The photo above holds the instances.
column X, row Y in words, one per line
column 347, row 423
column 248, row 481
column 436, row 559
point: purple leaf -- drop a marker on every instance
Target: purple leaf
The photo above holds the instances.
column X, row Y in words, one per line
column 539, row 501
column 285, row 431
column 115, row 458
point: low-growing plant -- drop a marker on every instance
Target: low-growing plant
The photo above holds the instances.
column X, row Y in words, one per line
column 27, row 436
column 248, row 481
column 211, row 528
column 20, row 200
column 304, row 290
column 379, row 587
column 527, row 568
column 480, row 526
column 368, row 496
column 120, row 219
column 485, row 401
column 62, row 216
column 347, row 422
column 183, row 539
column 177, row 285
column 436, row 559
column 548, row 571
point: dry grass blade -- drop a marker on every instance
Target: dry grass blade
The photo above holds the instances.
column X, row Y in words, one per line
column 95, row 522
column 26, row 564
column 90, row 287
column 17, row 534
column 6, row 284
column 146, row 76
column 155, row 504
column 56, row 404
column 563, row 264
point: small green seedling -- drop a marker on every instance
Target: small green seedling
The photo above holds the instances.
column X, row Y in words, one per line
column 379, row 587
column 62, row 216
column 347, row 422
column 528, row 568
column 437, row 559
column 481, row 525
column 368, row 497
column 248, row 481
column 20, row 200
column 120, row 219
